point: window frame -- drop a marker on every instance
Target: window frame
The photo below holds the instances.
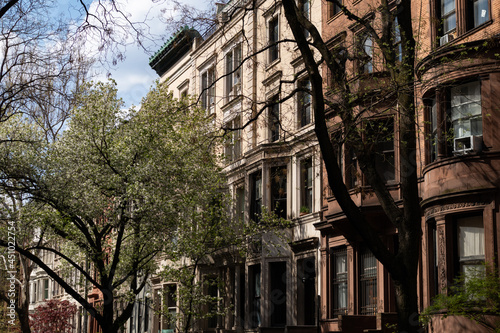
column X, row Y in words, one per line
column 468, row 15
column 466, row 101
column 368, row 297
column 169, row 305
column 279, row 193
column 232, row 65
column 333, row 9
column 476, row 261
column 255, row 291
column 240, row 201
column 207, row 86
column 365, row 60
column 233, row 149
column 307, row 185
column 338, row 279
column 444, row 137
column 304, row 103
column 382, row 147
column 274, row 119
column 46, row 289
column 256, row 195
column 305, row 9
column 273, row 34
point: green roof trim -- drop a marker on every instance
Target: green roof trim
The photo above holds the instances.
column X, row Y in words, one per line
column 168, row 44
column 176, row 47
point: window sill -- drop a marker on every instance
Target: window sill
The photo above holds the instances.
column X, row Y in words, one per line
column 272, row 64
column 231, row 102
column 460, row 38
column 306, row 218
column 334, row 17
column 448, row 160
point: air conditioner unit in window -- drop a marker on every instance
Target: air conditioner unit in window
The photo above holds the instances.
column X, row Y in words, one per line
column 467, row 145
column 445, row 39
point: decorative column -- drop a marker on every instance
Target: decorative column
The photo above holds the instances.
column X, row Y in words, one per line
column 444, row 252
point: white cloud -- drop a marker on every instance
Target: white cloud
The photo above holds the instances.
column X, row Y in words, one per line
column 133, row 75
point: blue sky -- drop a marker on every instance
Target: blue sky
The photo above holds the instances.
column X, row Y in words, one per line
column 133, row 75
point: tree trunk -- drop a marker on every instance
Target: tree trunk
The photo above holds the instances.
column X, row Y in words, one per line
column 406, row 304
column 24, row 319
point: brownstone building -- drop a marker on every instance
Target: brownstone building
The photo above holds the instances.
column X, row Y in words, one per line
column 458, row 98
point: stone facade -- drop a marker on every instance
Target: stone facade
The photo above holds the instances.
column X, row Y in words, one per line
column 272, row 162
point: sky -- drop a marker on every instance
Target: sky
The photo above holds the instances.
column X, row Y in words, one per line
column 133, row 75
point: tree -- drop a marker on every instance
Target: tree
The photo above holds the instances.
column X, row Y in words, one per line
column 475, row 296
column 204, row 236
column 45, row 44
column 19, row 221
column 117, row 183
column 53, row 317
column 401, row 265
column 344, row 103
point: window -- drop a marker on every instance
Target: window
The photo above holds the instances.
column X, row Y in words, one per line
column 459, row 16
column 380, row 136
column 184, row 93
column 35, row 294
column 274, row 120
column 156, row 310
column 352, row 174
column 304, row 106
column 208, row 90
column 146, row 314
column 213, row 293
column 470, row 237
column 338, row 143
column 466, row 117
column 306, row 186
column 256, row 196
column 254, row 290
column 448, row 16
column 396, row 40
column 455, row 121
column 333, row 8
column 368, row 283
column 46, row 289
column 233, row 141
column 433, row 128
column 233, row 72
column 480, row 10
column 277, row 296
column 306, row 291
column 366, row 55
column 240, row 203
column 278, row 191
column 338, row 269
column 170, row 308
column 273, row 39
column 305, row 8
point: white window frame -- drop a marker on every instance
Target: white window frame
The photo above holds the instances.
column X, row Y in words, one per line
column 233, row 68
column 466, row 109
column 207, row 89
column 273, row 38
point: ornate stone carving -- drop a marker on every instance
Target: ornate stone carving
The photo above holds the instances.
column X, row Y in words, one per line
column 442, row 259
column 453, row 206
